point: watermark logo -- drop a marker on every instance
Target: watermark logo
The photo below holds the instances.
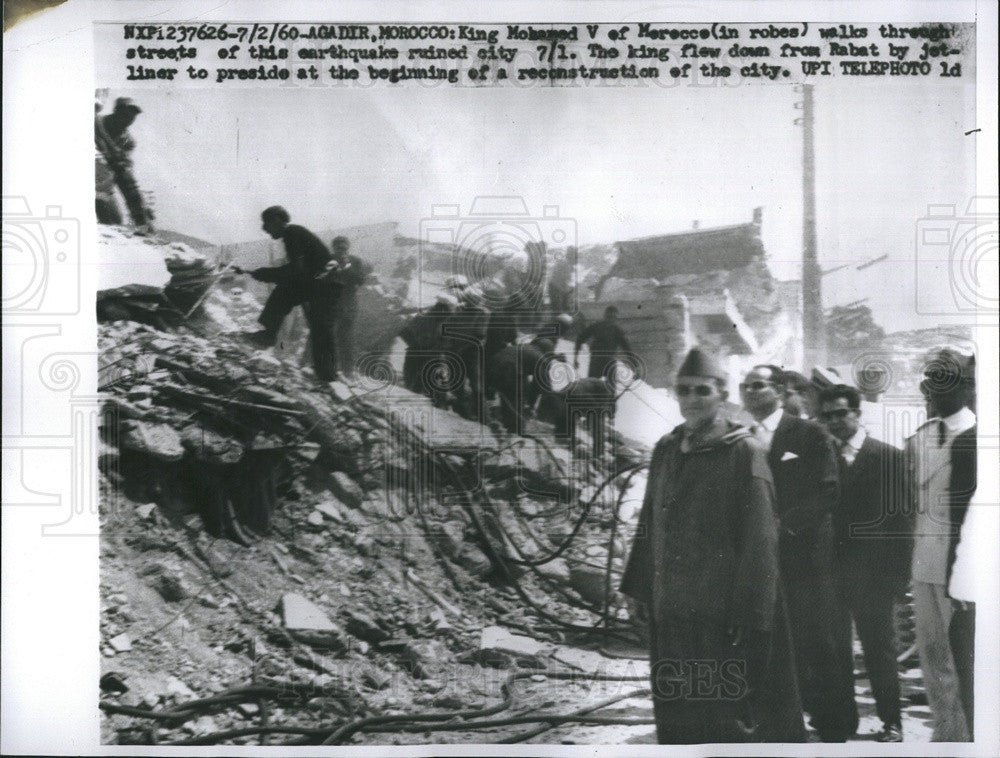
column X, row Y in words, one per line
column 956, row 259
column 41, row 260
column 498, row 245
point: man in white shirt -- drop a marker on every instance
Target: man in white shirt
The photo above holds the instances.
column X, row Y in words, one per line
column 947, row 386
column 804, row 465
column 871, row 549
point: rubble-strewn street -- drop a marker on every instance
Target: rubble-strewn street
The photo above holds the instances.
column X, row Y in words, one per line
column 286, row 561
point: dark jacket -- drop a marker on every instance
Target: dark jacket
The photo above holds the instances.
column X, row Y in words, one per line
column 307, row 258
column 114, row 146
column 706, row 544
column 804, row 465
column 873, row 535
column 961, row 487
column 604, row 338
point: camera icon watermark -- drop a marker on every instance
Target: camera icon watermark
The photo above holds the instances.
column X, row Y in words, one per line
column 41, row 260
column 498, row 246
column 956, row 259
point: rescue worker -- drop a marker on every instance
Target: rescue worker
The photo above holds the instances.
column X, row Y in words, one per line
column 804, row 467
column 425, row 345
column 705, row 564
column 606, row 340
column 301, row 281
column 466, row 331
column 114, row 146
column 347, row 274
column 561, row 281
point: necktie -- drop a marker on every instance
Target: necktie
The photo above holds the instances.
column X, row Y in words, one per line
column 942, row 433
column 842, row 463
column 761, row 433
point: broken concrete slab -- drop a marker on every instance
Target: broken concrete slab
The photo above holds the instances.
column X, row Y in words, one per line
column 301, row 614
column 176, row 688
column 145, row 510
column 159, row 441
column 501, row 649
column 121, row 643
column 375, row 678
column 364, row 627
column 346, row 489
column 332, row 510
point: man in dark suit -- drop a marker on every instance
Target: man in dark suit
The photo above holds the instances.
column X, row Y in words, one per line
column 872, row 546
column 804, row 466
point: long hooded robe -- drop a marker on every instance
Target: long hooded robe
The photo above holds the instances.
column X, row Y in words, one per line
column 705, row 560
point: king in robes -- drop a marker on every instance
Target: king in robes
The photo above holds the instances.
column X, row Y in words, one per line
column 705, row 564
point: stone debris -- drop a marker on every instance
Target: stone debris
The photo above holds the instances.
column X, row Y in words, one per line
column 500, row 648
column 332, row 510
column 299, row 613
column 121, row 643
column 346, row 489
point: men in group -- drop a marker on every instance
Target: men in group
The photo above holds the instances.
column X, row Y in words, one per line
column 347, row 274
column 705, row 564
column 871, row 550
column 947, row 386
column 804, row 467
column 302, row 281
column 425, row 347
column 606, row 341
column 114, row 146
column 466, row 331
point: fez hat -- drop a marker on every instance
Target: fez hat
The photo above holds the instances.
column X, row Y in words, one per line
column 127, row 104
column 701, row 363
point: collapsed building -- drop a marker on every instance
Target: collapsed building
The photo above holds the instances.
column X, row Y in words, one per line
column 704, row 286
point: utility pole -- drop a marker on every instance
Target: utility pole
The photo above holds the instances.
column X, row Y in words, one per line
column 813, row 326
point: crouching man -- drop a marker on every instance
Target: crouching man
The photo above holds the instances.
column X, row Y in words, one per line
column 705, row 562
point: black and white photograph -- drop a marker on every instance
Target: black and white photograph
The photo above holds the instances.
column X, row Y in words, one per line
column 593, row 377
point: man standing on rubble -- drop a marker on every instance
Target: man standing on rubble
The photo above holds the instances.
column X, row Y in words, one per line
column 605, row 339
column 705, row 565
column 303, row 280
column 347, row 274
column 804, row 466
column 114, row 146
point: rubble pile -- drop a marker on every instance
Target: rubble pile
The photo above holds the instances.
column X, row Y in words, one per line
column 352, row 543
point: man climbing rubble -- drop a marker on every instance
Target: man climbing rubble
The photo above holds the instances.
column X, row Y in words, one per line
column 304, row 280
column 114, row 145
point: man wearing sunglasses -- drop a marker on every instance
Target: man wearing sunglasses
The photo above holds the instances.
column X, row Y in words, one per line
column 804, row 467
column 705, row 564
column 871, row 549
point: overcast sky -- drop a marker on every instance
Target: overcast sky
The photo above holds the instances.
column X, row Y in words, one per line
column 618, row 162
